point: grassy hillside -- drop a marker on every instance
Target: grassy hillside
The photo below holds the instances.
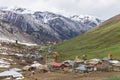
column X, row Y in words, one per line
column 98, row 42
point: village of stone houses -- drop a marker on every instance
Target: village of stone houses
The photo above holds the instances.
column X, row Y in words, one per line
column 20, row 62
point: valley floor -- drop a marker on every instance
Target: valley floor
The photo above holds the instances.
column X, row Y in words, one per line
column 72, row 76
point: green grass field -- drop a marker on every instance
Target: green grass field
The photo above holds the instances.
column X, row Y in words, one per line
column 114, row 78
column 97, row 43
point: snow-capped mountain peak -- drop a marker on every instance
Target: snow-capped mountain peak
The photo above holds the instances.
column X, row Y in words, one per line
column 45, row 16
column 18, row 10
column 86, row 19
column 22, row 10
column 83, row 18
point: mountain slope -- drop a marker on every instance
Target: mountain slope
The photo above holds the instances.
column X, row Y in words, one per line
column 10, row 33
column 44, row 26
column 98, row 42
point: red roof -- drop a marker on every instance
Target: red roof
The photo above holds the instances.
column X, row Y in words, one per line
column 56, row 64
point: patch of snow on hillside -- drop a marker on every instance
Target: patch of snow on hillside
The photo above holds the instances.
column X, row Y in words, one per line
column 13, row 41
column 4, row 64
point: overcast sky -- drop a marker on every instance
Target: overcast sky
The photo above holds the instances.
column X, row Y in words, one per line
column 103, row 9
